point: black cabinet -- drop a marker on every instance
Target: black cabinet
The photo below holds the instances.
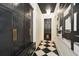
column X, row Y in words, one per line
column 16, row 28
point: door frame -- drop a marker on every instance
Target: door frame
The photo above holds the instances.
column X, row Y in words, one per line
column 50, row 27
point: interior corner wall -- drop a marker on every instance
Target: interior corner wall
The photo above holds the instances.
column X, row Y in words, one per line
column 54, row 28
column 54, row 22
column 37, row 24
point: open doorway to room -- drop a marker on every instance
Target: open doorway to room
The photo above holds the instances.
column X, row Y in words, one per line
column 47, row 29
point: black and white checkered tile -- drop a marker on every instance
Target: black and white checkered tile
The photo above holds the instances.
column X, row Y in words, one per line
column 46, row 48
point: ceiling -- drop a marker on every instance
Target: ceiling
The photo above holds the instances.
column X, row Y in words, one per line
column 44, row 6
column 64, row 5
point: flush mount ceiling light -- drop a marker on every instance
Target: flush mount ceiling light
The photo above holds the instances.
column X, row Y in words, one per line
column 74, row 3
column 15, row 4
column 48, row 11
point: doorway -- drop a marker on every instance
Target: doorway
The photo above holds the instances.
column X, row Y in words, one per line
column 47, row 29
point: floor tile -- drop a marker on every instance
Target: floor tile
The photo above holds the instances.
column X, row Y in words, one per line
column 45, row 55
column 42, row 47
column 46, row 50
column 56, row 52
column 51, row 48
column 34, row 54
column 54, row 46
column 51, row 44
column 40, row 53
column 38, row 49
column 47, row 45
column 47, row 42
column 43, row 43
column 51, row 54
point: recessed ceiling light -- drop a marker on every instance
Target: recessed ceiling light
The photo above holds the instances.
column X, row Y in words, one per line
column 74, row 3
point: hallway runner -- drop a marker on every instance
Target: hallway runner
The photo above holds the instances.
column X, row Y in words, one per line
column 46, row 48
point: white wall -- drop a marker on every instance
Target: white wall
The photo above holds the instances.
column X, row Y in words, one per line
column 54, row 23
column 37, row 24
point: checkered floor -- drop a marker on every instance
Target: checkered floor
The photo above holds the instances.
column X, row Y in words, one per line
column 46, row 48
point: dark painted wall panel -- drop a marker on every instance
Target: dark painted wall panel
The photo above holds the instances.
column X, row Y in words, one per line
column 5, row 32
